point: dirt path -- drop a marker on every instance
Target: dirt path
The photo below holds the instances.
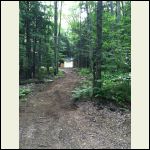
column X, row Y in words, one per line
column 51, row 120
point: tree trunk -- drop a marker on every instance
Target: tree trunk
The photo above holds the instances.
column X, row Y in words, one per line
column 98, row 50
column 55, row 38
column 59, row 30
column 89, row 36
column 39, row 54
column 112, row 25
column 118, row 11
column 60, row 20
column 28, row 43
column 123, row 11
column 80, row 49
column 111, row 7
column 34, row 50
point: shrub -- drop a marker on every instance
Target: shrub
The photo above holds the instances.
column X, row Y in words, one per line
column 42, row 72
column 116, row 87
column 84, row 72
column 60, row 73
column 51, row 70
column 23, row 92
column 82, row 92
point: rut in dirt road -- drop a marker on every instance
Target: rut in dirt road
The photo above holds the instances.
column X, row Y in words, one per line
column 51, row 120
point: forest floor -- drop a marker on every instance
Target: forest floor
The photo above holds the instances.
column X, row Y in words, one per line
column 49, row 119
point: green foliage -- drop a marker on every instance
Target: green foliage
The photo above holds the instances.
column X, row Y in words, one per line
column 84, row 72
column 36, row 41
column 80, row 41
column 42, row 72
column 51, row 71
column 116, row 50
column 116, row 87
column 82, row 92
column 85, row 89
column 23, row 92
column 117, row 41
column 60, row 74
column 116, row 44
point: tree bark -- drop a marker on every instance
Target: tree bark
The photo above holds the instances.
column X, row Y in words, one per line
column 55, row 38
column 98, row 52
column 89, row 27
column 59, row 30
column 80, row 50
column 34, row 50
column 111, row 7
column 118, row 11
column 28, row 43
column 123, row 11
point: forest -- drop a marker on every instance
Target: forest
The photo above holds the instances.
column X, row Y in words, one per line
column 96, row 36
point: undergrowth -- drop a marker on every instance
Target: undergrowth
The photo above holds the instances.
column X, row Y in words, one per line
column 116, row 87
column 23, row 92
column 60, row 74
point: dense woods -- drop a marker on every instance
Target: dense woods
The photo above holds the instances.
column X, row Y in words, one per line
column 98, row 38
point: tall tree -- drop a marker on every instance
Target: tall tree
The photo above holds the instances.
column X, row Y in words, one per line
column 59, row 27
column 111, row 7
column 118, row 15
column 28, row 40
column 98, row 50
column 122, row 5
column 80, row 50
column 89, row 29
column 56, row 38
column 35, row 11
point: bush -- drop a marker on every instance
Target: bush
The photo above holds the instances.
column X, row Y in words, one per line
column 82, row 92
column 60, row 73
column 23, row 92
column 85, row 90
column 84, row 72
column 42, row 72
column 51, row 70
column 116, row 87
